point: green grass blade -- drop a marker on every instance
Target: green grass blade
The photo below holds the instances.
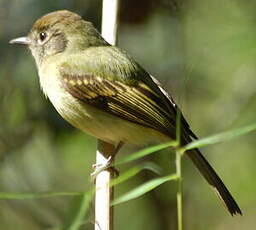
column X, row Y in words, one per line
column 220, row 137
column 145, row 152
column 178, row 126
column 83, row 209
column 134, row 171
column 85, row 204
column 37, row 195
column 144, row 188
column 79, row 219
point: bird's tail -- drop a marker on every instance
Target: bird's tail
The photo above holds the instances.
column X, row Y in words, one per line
column 213, row 179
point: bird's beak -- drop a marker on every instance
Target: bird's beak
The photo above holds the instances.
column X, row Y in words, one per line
column 21, row 40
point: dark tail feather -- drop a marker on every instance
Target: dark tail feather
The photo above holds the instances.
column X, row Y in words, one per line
column 213, row 179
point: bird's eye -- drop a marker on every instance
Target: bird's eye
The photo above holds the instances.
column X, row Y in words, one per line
column 42, row 36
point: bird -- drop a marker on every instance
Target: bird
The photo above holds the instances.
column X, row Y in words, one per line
column 101, row 90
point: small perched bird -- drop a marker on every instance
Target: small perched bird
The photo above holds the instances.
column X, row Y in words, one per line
column 103, row 91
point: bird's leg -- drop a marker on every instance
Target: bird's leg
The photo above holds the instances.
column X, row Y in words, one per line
column 107, row 164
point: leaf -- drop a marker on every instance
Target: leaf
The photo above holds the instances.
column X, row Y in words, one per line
column 178, row 126
column 85, row 205
column 144, row 188
column 219, row 137
column 20, row 196
column 145, row 152
column 134, row 171
column 79, row 219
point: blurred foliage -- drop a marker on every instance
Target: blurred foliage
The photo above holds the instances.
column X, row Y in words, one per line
column 203, row 51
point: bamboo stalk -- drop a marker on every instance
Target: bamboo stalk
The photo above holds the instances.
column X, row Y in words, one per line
column 104, row 193
column 109, row 21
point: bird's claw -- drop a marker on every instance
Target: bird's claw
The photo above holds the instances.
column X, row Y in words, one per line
column 102, row 166
column 98, row 168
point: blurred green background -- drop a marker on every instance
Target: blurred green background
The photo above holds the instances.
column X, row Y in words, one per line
column 205, row 54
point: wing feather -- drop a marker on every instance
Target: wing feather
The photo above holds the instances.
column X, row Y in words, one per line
column 135, row 103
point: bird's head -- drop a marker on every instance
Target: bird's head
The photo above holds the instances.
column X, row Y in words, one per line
column 60, row 31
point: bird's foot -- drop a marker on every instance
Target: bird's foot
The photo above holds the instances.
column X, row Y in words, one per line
column 98, row 168
column 106, row 163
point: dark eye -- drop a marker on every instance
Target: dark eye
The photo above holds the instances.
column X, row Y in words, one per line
column 42, row 36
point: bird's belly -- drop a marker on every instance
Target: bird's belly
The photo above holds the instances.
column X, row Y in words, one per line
column 100, row 124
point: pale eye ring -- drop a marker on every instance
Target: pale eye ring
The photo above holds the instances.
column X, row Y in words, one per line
column 42, row 36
